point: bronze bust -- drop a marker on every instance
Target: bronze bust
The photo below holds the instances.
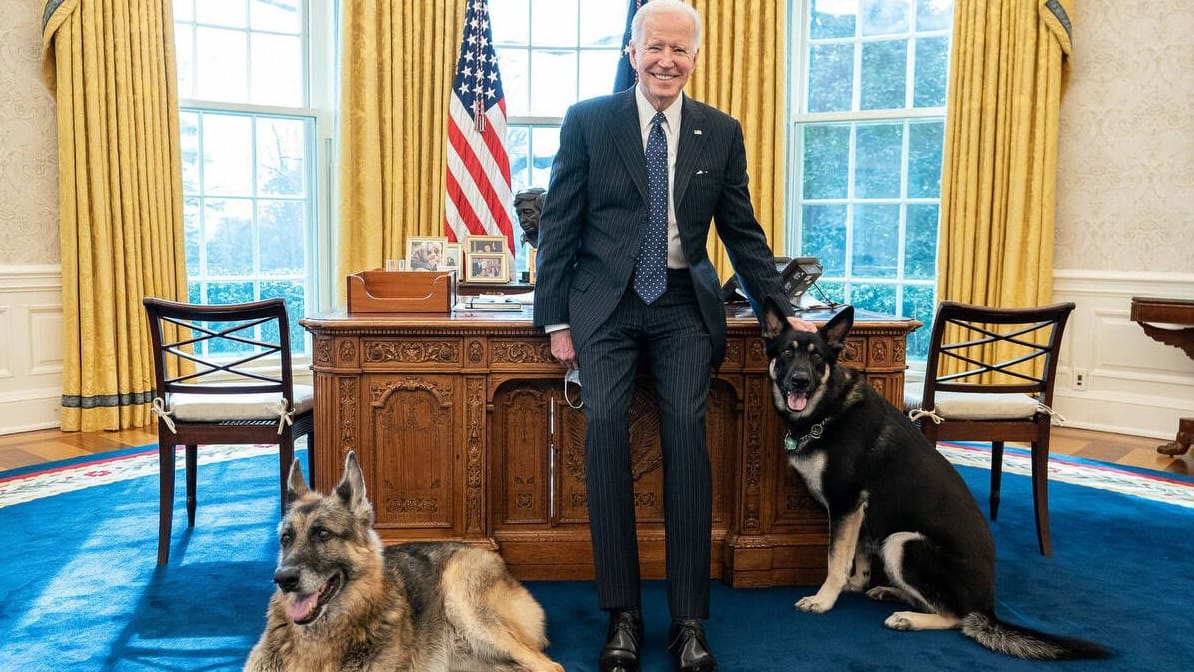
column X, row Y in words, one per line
column 528, row 203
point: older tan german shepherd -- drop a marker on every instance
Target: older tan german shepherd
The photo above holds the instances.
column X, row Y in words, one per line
column 346, row 604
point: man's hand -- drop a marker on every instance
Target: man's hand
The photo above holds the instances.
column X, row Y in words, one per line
column 561, row 347
column 797, row 324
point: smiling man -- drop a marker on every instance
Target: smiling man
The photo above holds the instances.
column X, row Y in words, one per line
column 623, row 274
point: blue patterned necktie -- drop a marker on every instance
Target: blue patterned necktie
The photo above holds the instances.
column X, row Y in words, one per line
column 650, row 273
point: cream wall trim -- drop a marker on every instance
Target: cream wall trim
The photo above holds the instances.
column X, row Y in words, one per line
column 1133, row 384
column 30, row 347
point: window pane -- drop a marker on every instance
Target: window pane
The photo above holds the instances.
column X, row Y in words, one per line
column 518, row 140
column 919, row 304
column 188, row 123
column 920, row 242
column 877, row 298
column 934, row 14
column 558, row 68
column 924, row 159
column 514, row 65
column 290, row 291
column 230, row 13
column 932, row 72
column 830, row 77
column 281, row 149
column 832, row 18
column 885, row 17
column 884, row 72
column 545, row 141
column 511, row 21
column 824, row 237
column 278, row 16
column 184, row 10
column 600, row 26
column 277, row 70
column 228, row 224
column 553, row 23
column 229, row 292
column 833, row 291
column 597, row 69
column 879, row 161
column 826, row 161
column 227, row 154
column 184, row 47
column 281, row 225
column 220, row 58
column 876, row 241
column 192, row 232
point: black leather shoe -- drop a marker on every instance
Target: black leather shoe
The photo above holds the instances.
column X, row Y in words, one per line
column 622, row 639
column 688, row 646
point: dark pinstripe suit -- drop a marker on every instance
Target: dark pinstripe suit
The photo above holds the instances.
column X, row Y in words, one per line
column 590, row 229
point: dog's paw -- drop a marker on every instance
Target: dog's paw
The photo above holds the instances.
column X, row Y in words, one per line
column 813, row 604
column 899, row 621
column 858, row 582
column 885, row 594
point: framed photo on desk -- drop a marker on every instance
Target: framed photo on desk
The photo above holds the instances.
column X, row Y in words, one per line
column 488, row 267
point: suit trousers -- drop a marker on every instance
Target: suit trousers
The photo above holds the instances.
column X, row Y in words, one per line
column 670, row 337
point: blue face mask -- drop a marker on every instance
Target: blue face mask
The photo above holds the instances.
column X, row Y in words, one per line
column 572, row 376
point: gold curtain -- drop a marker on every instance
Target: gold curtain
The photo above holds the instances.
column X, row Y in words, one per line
column 742, row 71
column 110, row 64
column 998, row 185
column 397, row 64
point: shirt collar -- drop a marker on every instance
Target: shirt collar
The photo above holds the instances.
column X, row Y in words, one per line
column 646, row 111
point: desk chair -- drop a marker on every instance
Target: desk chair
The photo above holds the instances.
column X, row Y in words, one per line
column 990, row 378
column 223, row 375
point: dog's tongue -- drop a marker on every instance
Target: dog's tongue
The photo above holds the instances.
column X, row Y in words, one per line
column 300, row 607
column 797, row 401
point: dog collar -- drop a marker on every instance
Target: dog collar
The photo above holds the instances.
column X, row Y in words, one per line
column 795, row 445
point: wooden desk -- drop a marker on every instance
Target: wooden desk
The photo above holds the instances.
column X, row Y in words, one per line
column 1148, row 312
column 461, row 427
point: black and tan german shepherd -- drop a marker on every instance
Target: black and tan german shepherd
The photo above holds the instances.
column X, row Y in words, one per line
column 345, row 604
column 890, row 496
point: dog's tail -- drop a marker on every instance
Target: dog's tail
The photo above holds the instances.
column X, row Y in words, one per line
column 1014, row 640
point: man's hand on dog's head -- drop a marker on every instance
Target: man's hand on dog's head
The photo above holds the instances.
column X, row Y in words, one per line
column 801, row 325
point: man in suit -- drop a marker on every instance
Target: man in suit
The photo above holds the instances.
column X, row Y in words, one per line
column 623, row 272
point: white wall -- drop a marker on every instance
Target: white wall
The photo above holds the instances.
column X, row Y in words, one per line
column 30, row 347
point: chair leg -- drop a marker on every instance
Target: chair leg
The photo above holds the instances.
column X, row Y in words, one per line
column 1040, row 490
column 285, row 459
column 996, row 476
column 166, row 498
column 192, row 467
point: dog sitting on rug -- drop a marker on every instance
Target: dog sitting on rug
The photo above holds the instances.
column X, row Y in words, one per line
column 890, row 495
column 346, row 604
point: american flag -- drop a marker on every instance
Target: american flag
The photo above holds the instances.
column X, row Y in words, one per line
column 478, row 176
column 626, row 76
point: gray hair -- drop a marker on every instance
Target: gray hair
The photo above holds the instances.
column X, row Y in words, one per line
column 660, row 7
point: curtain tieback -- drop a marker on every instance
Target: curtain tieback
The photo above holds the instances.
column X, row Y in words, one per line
column 931, row 413
column 159, row 409
column 285, row 415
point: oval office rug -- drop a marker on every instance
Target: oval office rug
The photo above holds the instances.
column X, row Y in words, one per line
column 80, row 589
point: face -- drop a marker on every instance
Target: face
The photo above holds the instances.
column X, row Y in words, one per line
column 665, row 56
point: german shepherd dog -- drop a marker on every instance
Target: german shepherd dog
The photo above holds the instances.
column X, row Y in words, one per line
column 890, row 495
column 344, row 603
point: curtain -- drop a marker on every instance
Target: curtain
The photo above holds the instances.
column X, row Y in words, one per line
column 397, row 65
column 998, row 184
column 110, row 64
column 742, row 71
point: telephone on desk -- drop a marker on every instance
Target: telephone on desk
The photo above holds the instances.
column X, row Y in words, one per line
column 797, row 273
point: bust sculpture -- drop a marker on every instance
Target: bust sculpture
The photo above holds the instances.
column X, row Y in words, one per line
column 528, row 203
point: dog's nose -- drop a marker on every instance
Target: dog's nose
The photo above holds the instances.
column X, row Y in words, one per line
column 287, row 578
column 798, row 382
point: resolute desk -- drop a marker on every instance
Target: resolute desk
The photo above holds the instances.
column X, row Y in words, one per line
column 461, row 427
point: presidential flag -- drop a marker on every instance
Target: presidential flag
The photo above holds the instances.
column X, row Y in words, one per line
column 626, row 76
column 478, row 175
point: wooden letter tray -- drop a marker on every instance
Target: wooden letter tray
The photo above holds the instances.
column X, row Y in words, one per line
column 381, row 291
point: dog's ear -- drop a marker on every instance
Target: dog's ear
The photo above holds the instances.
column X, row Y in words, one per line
column 774, row 322
column 351, row 488
column 838, row 327
column 296, row 484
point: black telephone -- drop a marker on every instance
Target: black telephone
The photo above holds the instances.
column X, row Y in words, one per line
column 797, row 274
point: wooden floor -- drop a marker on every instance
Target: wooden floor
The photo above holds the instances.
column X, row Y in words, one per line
column 29, row 448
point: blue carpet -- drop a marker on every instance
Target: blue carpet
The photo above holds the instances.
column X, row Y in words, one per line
column 80, row 591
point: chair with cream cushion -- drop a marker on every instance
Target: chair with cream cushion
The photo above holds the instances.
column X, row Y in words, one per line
column 222, row 376
column 989, row 377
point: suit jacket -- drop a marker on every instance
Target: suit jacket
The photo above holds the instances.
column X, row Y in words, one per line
column 595, row 213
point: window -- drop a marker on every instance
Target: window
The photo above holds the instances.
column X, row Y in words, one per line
column 868, row 82
column 551, row 53
column 254, row 87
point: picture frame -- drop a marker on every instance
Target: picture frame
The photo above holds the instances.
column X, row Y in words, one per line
column 531, row 266
column 424, row 253
column 453, row 257
column 484, row 244
column 493, row 267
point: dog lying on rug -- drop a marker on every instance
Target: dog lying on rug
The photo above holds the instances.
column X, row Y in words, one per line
column 889, row 495
column 346, row 604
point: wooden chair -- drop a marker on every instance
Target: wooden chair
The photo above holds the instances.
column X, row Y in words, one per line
column 1001, row 388
column 223, row 376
